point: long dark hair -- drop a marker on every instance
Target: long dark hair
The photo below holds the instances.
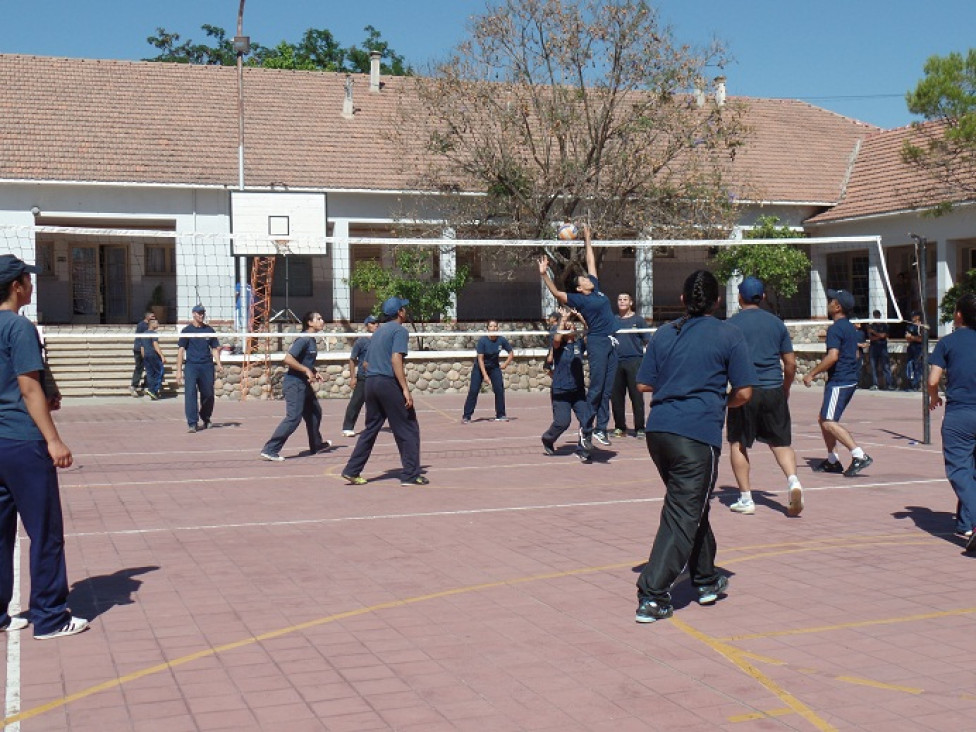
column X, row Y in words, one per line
column 700, row 293
column 966, row 307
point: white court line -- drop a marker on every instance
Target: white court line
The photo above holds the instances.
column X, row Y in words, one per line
column 12, row 701
column 460, row 512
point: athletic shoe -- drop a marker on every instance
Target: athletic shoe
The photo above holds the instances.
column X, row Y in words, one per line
column 72, row 627
column 874, row 388
column 648, row 611
column 708, row 594
column 193, row 428
column 349, row 433
column 825, row 466
column 744, row 507
column 640, row 434
column 971, row 544
column 465, row 420
column 585, row 444
column 153, row 395
column 354, row 479
column 602, row 437
column 273, row 458
column 418, row 480
column 857, row 465
column 325, row 446
column 15, row 623
column 133, row 391
column 206, row 424
column 583, row 456
column 547, row 447
column 619, row 432
column 795, row 505
column 503, row 418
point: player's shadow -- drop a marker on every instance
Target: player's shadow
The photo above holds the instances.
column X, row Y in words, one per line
column 900, row 436
column 223, row 425
column 683, row 593
column 937, row 523
column 93, row 596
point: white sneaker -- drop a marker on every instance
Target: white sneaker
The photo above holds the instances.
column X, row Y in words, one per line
column 795, row 505
column 745, row 507
column 16, row 623
column 72, row 627
column 272, row 458
column 349, row 433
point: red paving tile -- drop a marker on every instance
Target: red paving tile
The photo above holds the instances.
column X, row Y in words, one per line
column 501, row 596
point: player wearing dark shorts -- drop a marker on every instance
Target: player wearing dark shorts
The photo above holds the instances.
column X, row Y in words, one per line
column 765, row 417
column 841, row 366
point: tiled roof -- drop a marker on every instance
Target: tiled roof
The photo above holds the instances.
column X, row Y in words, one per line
column 883, row 183
column 140, row 122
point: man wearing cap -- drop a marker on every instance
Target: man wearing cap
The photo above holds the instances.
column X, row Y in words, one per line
column 31, row 450
column 841, row 366
column 137, row 372
column 357, row 377
column 388, row 398
column 765, row 417
column 201, row 354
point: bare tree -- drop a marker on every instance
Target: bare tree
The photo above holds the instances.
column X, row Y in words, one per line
column 560, row 110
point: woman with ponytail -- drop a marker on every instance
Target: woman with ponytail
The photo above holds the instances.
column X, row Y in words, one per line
column 688, row 367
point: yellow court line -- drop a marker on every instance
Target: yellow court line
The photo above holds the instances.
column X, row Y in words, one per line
column 736, row 658
column 761, row 715
column 431, row 407
column 879, row 684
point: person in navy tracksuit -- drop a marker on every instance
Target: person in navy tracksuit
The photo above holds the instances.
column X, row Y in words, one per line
column 955, row 354
column 357, row 378
column 630, row 351
column 201, row 356
column 299, row 389
column 487, row 368
column 153, row 360
column 31, row 451
column 595, row 308
column 568, row 393
column 137, row 372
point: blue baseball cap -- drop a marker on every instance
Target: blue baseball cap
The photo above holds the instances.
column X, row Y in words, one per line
column 11, row 268
column 843, row 297
column 392, row 306
column 370, row 319
column 199, row 309
column 752, row 289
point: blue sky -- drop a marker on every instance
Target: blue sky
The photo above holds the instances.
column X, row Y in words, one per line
column 856, row 57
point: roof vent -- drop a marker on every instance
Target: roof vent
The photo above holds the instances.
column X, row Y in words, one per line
column 374, row 70
column 347, row 109
column 720, row 91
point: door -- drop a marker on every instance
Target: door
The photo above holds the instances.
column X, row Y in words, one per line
column 85, row 278
column 115, row 284
column 99, row 284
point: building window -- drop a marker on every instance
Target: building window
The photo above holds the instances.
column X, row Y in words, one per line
column 296, row 271
column 160, row 259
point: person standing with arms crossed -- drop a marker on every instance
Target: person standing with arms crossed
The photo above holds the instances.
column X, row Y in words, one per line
column 878, row 353
column 594, row 307
column 841, row 367
column 955, row 355
column 913, row 353
column 688, row 368
column 630, row 350
column 357, row 378
column 766, row 416
column 202, row 355
column 298, row 388
column 31, row 451
column 486, row 368
column 388, row 398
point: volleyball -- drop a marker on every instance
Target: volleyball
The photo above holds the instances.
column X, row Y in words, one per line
column 568, row 232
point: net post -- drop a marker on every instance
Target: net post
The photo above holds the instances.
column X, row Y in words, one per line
column 921, row 244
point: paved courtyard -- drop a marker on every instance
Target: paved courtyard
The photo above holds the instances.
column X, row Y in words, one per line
column 227, row 592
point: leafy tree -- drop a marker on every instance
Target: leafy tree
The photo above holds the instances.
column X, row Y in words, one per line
column 945, row 151
column 410, row 278
column 559, row 110
column 947, row 309
column 317, row 50
column 781, row 267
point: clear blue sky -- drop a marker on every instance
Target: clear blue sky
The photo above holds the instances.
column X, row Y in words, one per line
column 856, row 57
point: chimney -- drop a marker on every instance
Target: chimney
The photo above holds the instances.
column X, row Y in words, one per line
column 374, row 70
column 699, row 92
column 720, row 91
column 347, row 109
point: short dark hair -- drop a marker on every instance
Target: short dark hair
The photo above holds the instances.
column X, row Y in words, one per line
column 5, row 287
column 966, row 307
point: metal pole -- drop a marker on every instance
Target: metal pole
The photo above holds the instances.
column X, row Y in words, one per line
column 240, row 100
column 922, row 261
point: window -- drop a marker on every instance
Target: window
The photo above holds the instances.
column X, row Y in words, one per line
column 160, row 259
column 296, row 272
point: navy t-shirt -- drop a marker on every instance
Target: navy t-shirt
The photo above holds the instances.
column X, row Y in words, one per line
column 489, row 349
column 690, row 372
column 20, row 353
column 630, row 345
column 956, row 354
column 305, row 351
column 595, row 309
column 141, row 327
column 358, row 354
column 198, row 350
column 767, row 337
column 389, row 338
column 879, row 329
column 567, row 367
column 147, row 345
column 843, row 336
column 915, row 347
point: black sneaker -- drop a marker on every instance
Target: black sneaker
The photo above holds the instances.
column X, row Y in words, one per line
column 583, row 456
column 650, row 610
column 602, row 437
column 417, row 480
column 971, row 544
column 857, row 465
column 192, row 428
column 585, row 444
column 547, row 447
column 825, row 466
column 206, row 424
column 708, row 594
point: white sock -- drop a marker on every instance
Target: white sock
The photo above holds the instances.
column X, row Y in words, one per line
column 833, row 458
column 745, row 496
column 857, row 453
column 792, row 480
